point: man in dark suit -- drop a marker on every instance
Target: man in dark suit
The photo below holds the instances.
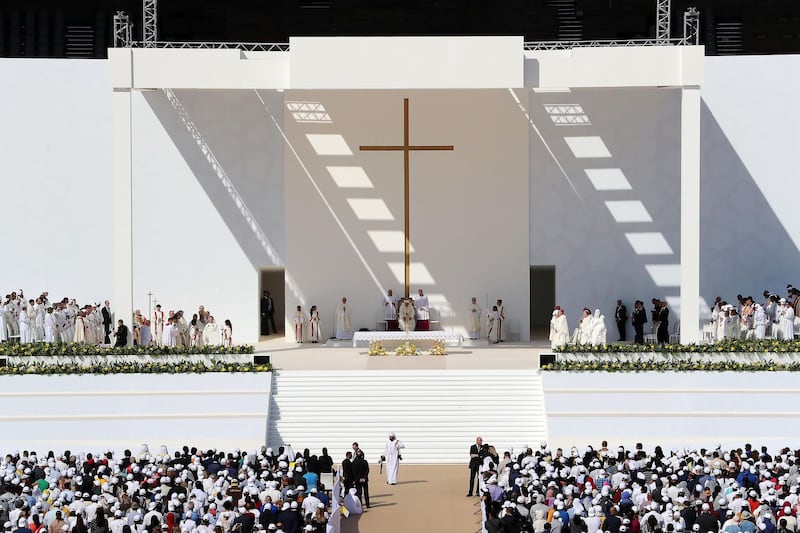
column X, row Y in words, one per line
column 267, row 314
column 347, row 471
column 361, row 476
column 663, row 324
column 621, row 317
column 106, row 311
column 475, row 460
column 639, row 319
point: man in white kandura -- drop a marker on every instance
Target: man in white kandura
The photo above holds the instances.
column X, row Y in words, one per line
column 392, row 457
column 390, row 310
column 559, row 330
column 423, row 314
column 344, row 330
column 406, row 315
column 474, row 319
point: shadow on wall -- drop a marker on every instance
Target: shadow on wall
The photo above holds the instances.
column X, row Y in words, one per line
column 744, row 247
column 236, row 154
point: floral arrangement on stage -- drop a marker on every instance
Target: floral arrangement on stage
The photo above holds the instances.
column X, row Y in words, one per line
column 376, row 348
column 731, row 346
column 438, row 348
column 178, row 367
column 407, row 348
column 75, row 348
column 671, row 366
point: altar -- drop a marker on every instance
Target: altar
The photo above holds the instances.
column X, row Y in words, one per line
column 362, row 339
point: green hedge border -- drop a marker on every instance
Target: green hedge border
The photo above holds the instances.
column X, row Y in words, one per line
column 670, row 366
column 735, row 346
column 178, row 367
column 73, row 349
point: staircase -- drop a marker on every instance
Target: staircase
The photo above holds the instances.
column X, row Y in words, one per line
column 436, row 413
column 570, row 26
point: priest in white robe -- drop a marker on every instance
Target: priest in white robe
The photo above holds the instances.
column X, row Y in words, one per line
column 299, row 325
column 759, row 322
column 391, row 454
column 492, row 328
column 211, row 335
column 314, row 324
column 599, row 329
column 501, row 321
column 559, row 329
column 423, row 311
column 474, row 319
column 25, row 334
column 390, row 303
column 585, row 328
column 787, row 320
column 344, row 329
column 406, row 315
column 158, row 325
column 170, row 335
column 50, row 327
column 3, row 326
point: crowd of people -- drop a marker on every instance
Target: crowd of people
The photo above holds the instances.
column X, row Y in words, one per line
column 744, row 490
column 775, row 317
column 29, row 320
column 189, row 491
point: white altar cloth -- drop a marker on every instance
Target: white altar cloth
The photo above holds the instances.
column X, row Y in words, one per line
column 361, row 339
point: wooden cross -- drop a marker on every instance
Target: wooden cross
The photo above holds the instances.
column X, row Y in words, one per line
column 406, row 148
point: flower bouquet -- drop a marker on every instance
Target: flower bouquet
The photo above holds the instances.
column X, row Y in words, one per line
column 407, row 348
column 438, row 348
column 376, row 348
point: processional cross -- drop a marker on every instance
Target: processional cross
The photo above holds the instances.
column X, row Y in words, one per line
column 406, row 148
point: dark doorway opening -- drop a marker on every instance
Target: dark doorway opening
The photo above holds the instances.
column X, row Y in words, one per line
column 543, row 300
column 272, row 280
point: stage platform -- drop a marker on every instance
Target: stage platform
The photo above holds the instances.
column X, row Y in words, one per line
column 471, row 355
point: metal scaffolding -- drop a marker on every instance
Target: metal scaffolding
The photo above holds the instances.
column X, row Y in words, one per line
column 663, row 12
column 150, row 23
column 122, row 30
column 691, row 26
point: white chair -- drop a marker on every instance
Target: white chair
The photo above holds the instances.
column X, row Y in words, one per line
column 675, row 336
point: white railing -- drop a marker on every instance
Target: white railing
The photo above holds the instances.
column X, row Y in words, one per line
column 199, row 45
column 567, row 45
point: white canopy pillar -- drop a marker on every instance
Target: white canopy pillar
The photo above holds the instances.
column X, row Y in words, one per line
column 690, row 215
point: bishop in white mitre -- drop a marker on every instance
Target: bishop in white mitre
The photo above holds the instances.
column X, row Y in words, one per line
column 406, row 315
column 344, row 329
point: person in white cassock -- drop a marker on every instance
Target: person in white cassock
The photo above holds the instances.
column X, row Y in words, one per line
column 354, row 509
column 25, row 335
column 391, row 455
column 423, row 311
column 759, row 322
column 559, row 329
column 599, row 329
column 50, row 327
column 406, row 315
column 501, row 321
column 158, row 325
column 390, row 309
column 344, row 329
column 585, row 327
column 492, row 327
column 211, row 333
column 3, row 327
column 299, row 325
column 314, row 324
column 787, row 320
column 474, row 319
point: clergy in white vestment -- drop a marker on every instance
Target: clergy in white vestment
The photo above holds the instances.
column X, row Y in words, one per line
column 492, row 329
column 599, row 329
column 3, row 326
column 352, row 504
column 585, row 327
column 759, row 322
column 344, row 329
column 559, row 330
column 474, row 319
column 211, row 333
column 146, row 334
column 391, row 455
column 50, row 327
column 25, row 335
column 80, row 329
column 389, row 303
column 158, row 325
column 406, row 315
column 299, row 325
column 733, row 328
column 170, row 334
column 501, row 321
column 787, row 320
column 314, row 325
column 422, row 306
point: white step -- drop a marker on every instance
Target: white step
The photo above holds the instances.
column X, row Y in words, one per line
column 436, row 413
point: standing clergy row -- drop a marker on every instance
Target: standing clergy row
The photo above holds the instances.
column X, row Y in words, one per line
column 173, row 330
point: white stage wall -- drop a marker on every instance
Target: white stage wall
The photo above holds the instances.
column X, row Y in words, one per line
column 55, row 167
column 96, row 413
column 468, row 209
column 671, row 409
column 750, row 232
